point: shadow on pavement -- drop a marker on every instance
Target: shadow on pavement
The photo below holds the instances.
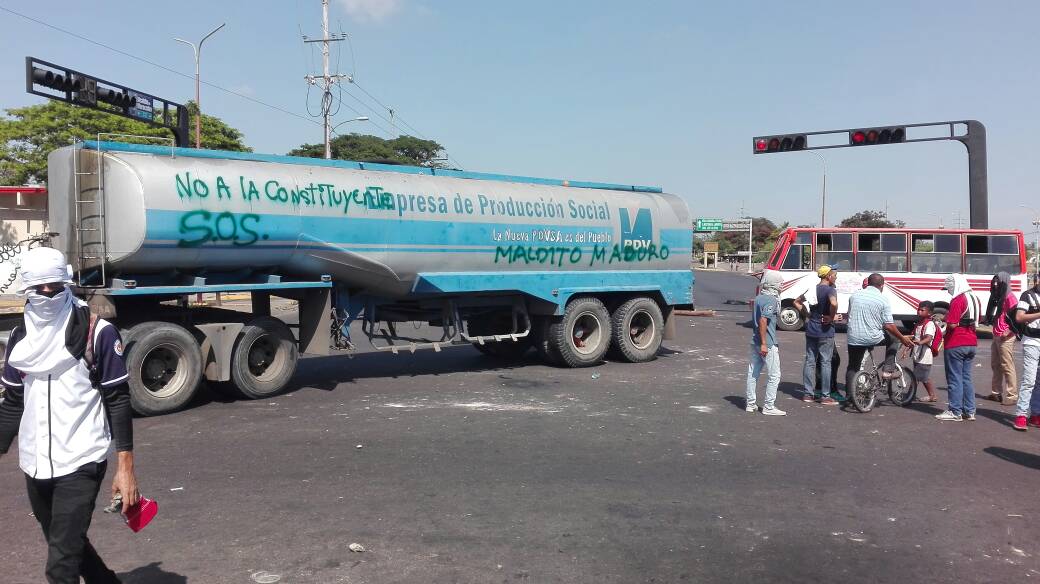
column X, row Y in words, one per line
column 152, row 574
column 738, row 401
column 1016, row 456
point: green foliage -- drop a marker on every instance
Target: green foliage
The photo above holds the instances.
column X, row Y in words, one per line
column 364, row 148
column 870, row 218
column 29, row 134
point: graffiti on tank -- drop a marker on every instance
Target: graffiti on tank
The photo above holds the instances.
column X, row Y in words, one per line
column 200, row 227
column 596, row 255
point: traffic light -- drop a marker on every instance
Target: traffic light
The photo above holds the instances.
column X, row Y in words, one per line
column 873, row 136
column 790, row 142
column 116, row 97
column 56, row 81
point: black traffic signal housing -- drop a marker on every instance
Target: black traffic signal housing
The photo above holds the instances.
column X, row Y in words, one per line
column 784, row 143
column 874, row 136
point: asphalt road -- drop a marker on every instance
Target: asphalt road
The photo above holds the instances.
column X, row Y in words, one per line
column 453, row 467
column 723, row 290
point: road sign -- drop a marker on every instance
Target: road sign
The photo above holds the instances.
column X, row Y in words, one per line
column 709, row 225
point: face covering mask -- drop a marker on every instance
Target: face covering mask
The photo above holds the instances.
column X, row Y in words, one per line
column 48, row 307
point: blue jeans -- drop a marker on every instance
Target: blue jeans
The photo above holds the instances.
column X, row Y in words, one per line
column 1029, row 390
column 771, row 362
column 959, row 362
column 822, row 350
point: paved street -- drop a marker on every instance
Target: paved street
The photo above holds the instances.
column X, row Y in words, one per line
column 454, row 467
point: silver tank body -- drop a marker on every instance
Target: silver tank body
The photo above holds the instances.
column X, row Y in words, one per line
column 370, row 229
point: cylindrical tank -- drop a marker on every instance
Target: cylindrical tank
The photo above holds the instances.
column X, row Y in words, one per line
column 376, row 229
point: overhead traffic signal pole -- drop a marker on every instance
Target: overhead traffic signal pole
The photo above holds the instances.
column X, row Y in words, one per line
column 973, row 137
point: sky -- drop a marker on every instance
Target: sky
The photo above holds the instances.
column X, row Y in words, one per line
column 665, row 93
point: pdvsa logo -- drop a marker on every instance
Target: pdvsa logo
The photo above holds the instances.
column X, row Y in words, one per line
column 637, row 228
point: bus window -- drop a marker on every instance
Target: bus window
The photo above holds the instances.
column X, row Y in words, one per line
column 933, row 253
column 799, row 256
column 881, row 252
column 777, row 249
column 834, row 249
column 989, row 254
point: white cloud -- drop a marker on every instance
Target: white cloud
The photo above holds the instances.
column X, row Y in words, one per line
column 371, row 10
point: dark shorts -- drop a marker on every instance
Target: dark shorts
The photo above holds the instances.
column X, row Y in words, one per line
column 921, row 372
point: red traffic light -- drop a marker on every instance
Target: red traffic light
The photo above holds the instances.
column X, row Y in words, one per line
column 779, row 143
column 871, row 136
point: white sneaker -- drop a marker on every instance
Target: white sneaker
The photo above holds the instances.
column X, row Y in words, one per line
column 751, row 408
column 969, row 417
column 948, row 416
column 773, row 411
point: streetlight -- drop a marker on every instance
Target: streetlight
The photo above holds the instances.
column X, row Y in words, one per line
column 823, row 205
column 198, row 49
column 357, row 119
column 939, row 217
column 1036, row 243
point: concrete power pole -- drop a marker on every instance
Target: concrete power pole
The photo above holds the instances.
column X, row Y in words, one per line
column 325, row 80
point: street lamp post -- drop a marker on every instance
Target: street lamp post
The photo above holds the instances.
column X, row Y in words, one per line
column 823, row 196
column 1036, row 242
column 357, row 119
column 197, row 49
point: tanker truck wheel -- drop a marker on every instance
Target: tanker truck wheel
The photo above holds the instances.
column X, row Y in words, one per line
column 264, row 358
column 542, row 342
column 638, row 330
column 165, row 365
column 582, row 336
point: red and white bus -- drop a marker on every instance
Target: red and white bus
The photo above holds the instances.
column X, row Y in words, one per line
column 914, row 262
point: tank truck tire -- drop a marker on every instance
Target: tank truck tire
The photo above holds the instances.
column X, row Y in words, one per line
column 542, row 344
column 638, row 327
column 582, row 336
column 165, row 365
column 264, row 358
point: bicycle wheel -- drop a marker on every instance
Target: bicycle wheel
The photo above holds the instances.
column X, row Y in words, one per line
column 902, row 389
column 864, row 391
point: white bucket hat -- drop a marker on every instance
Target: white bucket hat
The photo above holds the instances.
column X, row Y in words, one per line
column 43, row 265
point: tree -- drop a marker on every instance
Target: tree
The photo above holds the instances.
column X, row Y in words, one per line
column 29, row 134
column 364, row 148
column 870, row 218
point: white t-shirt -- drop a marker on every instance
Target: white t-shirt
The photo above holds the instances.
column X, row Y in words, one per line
column 1035, row 325
column 923, row 353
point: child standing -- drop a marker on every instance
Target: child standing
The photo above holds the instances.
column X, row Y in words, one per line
column 924, row 334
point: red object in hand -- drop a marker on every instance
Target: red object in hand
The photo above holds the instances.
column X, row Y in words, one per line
column 139, row 515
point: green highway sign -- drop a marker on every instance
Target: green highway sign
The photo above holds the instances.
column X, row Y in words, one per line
column 709, row 225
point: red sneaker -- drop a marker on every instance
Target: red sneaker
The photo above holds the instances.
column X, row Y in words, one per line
column 1020, row 423
column 1034, row 421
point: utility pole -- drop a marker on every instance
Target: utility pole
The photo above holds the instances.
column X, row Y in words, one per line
column 325, row 80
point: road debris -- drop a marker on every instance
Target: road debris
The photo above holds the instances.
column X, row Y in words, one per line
column 263, row 577
column 356, row 547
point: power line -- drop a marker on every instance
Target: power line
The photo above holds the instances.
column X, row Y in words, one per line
column 154, row 64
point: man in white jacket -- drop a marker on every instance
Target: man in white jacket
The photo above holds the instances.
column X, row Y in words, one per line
column 68, row 400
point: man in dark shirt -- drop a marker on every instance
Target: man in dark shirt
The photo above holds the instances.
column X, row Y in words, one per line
column 67, row 413
column 819, row 337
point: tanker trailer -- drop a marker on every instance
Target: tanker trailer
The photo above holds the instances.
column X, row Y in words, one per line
column 573, row 270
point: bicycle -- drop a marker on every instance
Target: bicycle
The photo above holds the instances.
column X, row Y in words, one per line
column 902, row 386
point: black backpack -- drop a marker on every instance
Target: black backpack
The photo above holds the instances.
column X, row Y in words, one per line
column 1032, row 298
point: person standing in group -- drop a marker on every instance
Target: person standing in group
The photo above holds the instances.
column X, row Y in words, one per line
column 960, row 342
column 68, row 400
column 819, row 337
column 1027, row 316
column 765, row 353
column 924, row 335
column 1002, row 303
column 871, row 325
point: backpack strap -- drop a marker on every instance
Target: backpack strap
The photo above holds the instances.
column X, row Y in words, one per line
column 88, row 353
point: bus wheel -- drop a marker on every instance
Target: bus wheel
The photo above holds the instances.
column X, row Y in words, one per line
column 582, row 336
column 264, row 358
column 789, row 319
column 165, row 365
column 638, row 330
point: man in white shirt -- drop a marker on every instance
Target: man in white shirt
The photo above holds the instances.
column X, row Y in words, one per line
column 68, row 400
column 1027, row 314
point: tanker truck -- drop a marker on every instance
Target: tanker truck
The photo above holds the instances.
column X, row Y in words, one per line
column 572, row 270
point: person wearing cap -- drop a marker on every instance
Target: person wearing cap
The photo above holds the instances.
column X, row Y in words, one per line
column 819, row 337
column 67, row 414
